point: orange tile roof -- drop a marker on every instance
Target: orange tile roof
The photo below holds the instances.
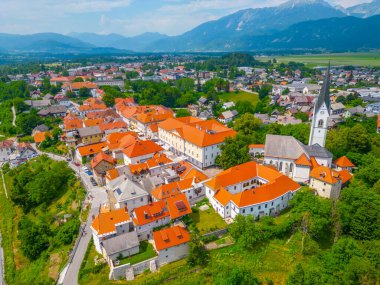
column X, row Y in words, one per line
column 325, row 174
column 178, row 206
column 240, row 173
column 170, row 237
column 91, row 149
column 152, row 117
column 223, row 196
column 195, row 173
column 171, row 189
column 314, row 162
column 140, row 148
column 256, row 146
column 87, row 84
column 71, row 121
column 200, row 133
column 84, row 108
column 119, row 140
column 105, row 223
column 101, row 157
column 112, row 174
column 93, row 122
column 157, row 159
column 150, row 213
column 266, row 192
column 41, row 136
column 113, row 125
column 303, row 160
column 344, row 162
column 154, row 128
column 345, row 175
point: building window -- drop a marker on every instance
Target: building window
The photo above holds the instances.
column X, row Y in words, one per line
column 320, row 123
column 243, row 211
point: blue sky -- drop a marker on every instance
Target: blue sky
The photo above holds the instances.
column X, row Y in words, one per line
column 126, row 17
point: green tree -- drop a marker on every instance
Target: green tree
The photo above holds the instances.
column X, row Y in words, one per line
column 182, row 113
column 198, row 254
column 84, row 92
column 247, row 124
column 234, row 151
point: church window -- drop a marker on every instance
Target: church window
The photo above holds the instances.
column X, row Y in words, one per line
column 320, row 123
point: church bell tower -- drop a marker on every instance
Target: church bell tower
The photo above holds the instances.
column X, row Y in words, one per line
column 322, row 110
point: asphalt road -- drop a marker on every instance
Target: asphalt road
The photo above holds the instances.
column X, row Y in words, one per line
column 95, row 195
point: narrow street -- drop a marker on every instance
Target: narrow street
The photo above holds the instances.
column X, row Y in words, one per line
column 98, row 196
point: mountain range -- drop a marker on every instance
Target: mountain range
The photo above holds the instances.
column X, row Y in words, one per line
column 296, row 24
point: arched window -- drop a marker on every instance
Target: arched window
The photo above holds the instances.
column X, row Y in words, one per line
column 271, row 162
column 320, row 123
column 280, row 167
column 291, row 167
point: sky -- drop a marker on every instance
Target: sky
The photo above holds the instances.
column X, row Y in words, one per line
column 125, row 17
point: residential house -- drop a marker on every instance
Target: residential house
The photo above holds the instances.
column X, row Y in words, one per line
column 90, row 135
column 140, row 151
column 38, row 104
column 6, row 149
column 129, row 194
column 110, row 224
column 40, row 128
column 148, row 217
column 337, row 108
column 89, row 151
column 171, row 244
column 101, row 163
column 228, row 116
column 178, row 206
column 57, row 111
column 122, row 245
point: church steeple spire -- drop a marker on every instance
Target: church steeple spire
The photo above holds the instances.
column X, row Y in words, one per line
column 322, row 110
column 324, row 94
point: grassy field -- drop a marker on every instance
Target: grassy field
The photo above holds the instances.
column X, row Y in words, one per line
column 240, row 96
column 146, row 252
column 207, row 221
column 18, row 268
column 358, row 59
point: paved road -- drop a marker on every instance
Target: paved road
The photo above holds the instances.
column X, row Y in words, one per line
column 2, row 277
column 98, row 196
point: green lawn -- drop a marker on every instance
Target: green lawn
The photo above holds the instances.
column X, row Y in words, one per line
column 207, row 221
column 360, row 59
column 240, row 96
column 146, row 252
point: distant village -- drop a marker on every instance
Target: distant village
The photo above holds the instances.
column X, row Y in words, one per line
column 156, row 168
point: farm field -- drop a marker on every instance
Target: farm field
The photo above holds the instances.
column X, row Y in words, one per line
column 358, row 59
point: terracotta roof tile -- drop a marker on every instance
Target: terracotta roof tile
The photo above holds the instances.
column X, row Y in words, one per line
column 101, row 157
column 344, row 162
column 150, row 213
column 170, row 237
column 178, row 206
column 91, row 149
column 105, row 223
column 139, row 148
column 303, row 160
